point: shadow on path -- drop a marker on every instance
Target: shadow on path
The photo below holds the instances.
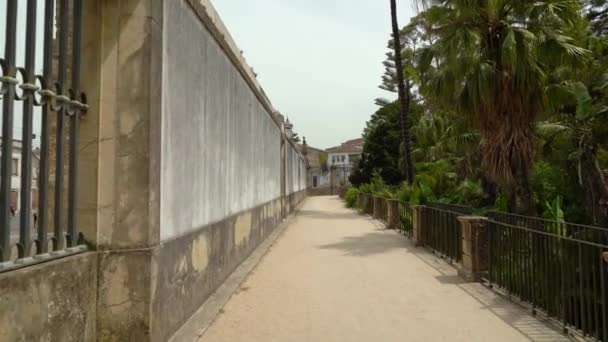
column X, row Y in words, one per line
column 509, row 312
column 327, row 215
column 369, row 244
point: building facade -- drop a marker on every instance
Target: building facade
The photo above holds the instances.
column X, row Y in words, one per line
column 317, row 171
column 16, row 177
column 341, row 160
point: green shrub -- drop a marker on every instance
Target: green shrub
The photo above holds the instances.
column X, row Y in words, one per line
column 351, row 197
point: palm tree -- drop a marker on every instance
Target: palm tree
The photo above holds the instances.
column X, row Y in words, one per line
column 490, row 59
column 578, row 101
column 403, row 89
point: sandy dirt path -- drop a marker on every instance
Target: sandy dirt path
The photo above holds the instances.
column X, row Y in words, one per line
column 337, row 276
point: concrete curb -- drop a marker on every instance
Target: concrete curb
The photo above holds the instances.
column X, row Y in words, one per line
column 204, row 317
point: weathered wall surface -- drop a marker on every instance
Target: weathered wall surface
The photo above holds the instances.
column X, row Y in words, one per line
column 221, row 164
column 55, row 301
column 221, row 147
column 296, row 170
column 181, row 179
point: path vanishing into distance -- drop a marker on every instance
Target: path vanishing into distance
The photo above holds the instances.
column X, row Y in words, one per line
column 334, row 275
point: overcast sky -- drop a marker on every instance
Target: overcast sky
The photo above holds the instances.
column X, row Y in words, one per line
column 319, row 61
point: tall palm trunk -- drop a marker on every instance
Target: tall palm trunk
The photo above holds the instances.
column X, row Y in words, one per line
column 404, row 97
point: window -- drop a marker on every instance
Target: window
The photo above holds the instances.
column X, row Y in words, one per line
column 343, row 159
column 15, row 167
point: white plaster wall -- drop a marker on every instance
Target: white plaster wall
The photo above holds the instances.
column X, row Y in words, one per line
column 295, row 173
column 220, row 147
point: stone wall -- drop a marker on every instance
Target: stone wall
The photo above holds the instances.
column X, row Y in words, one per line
column 55, row 301
column 185, row 170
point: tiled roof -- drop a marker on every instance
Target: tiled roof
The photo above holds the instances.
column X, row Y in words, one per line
column 351, row 146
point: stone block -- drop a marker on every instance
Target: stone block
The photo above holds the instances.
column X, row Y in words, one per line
column 392, row 214
column 124, row 295
column 53, row 301
column 418, row 218
column 474, row 247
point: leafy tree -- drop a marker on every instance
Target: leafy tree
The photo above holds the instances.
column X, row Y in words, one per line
column 577, row 128
column 382, row 136
column 491, row 59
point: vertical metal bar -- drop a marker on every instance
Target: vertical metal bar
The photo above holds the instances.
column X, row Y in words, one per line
column 596, row 295
column 43, row 178
column 492, row 259
column 604, row 303
column 6, row 166
column 25, row 240
column 74, row 127
column 563, row 307
column 583, row 322
column 518, row 268
column 533, row 271
column 62, row 76
column 548, row 241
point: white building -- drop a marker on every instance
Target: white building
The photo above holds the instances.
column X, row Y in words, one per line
column 341, row 160
column 16, row 176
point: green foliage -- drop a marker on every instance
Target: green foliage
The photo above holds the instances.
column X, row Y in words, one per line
column 515, row 120
column 350, row 198
column 381, row 148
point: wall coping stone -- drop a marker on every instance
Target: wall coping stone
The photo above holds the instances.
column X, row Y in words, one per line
column 209, row 16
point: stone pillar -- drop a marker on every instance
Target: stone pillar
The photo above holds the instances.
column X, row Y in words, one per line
column 377, row 208
column 369, row 204
column 121, row 150
column 418, row 213
column 474, row 247
column 392, row 214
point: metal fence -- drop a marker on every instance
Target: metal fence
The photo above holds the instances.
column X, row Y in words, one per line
column 406, row 219
column 60, row 100
column 564, row 277
column 575, row 231
column 442, row 231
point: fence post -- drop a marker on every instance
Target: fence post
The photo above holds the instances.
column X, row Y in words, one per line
column 418, row 213
column 376, row 210
column 369, row 204
column 359, row 201
column 393, row 213
column 475, row 256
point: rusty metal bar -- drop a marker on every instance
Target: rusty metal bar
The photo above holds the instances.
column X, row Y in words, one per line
column 9, row 82
column 63, row 101
column 75, row 111
column 43, row 177
column 29, row 88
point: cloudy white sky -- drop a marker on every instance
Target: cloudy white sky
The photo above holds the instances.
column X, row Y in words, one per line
column 319, row 61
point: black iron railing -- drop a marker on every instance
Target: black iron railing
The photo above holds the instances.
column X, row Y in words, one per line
column 60, row 99
column 575, row 231
column 442, row 231
column 406, row 219
column 563, row 277
column 457, row 208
